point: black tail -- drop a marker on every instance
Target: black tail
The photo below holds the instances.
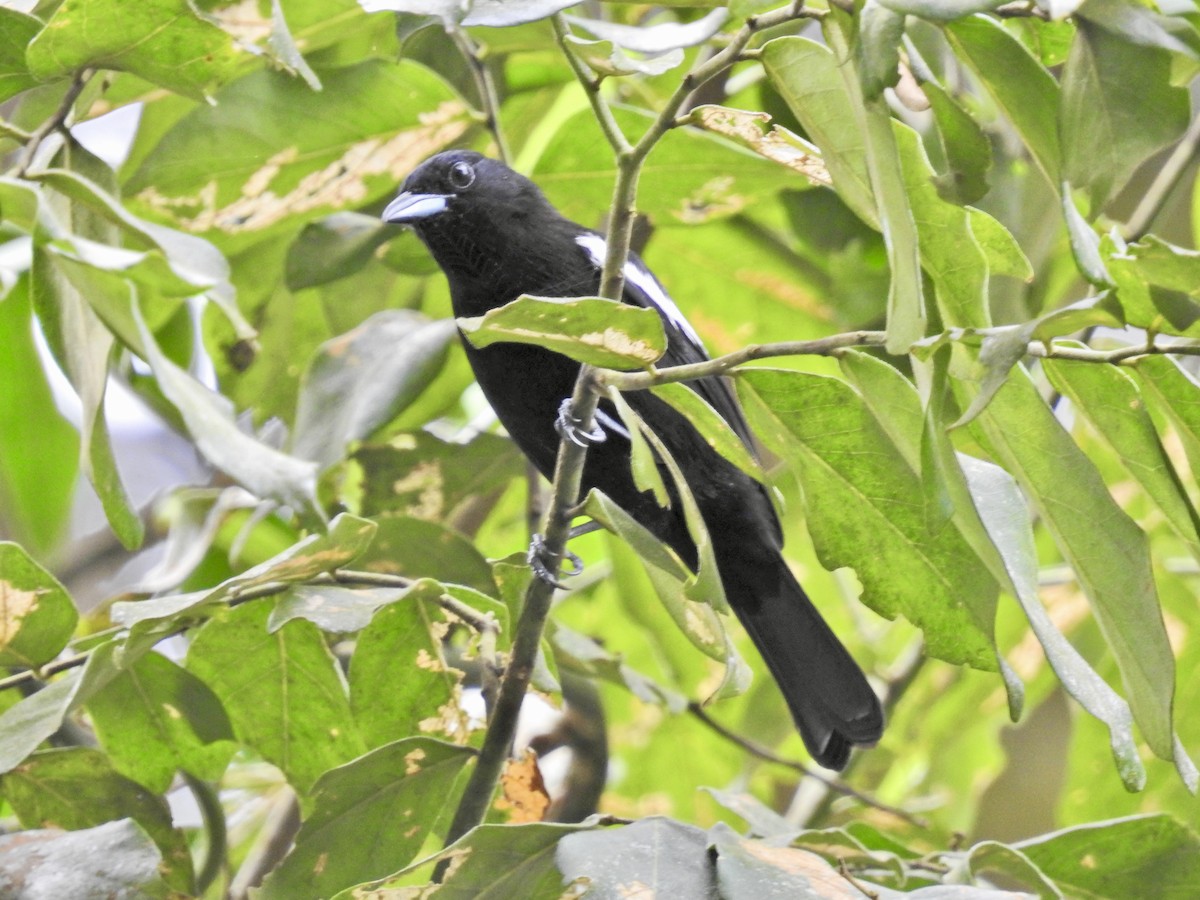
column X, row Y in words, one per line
column 830, row 699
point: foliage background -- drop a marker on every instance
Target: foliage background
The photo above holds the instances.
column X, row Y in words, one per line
column 1022, row 189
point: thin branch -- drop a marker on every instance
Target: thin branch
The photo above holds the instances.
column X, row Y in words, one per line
column 833, row 784
column 591, row 86
column 485, row 86
column 1164, row 183
column 827, row 346
column 53, row 123
column 1022, row 10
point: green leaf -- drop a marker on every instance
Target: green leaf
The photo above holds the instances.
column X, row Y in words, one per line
column 420, row 476
column 906, row 299
column 16, row 31
column 1107, row 550
column 949, row 253
column 418, row 548
column 400, row 684
column 776, row 143
column 1012, row 865
column 261, row 469
column 877, row 48
column 967, row 150
column 82, row 346
column 156, row 718
column 1140, row 856
column 242, row 165
column 1085, row 243
column 1018, row 83
column 347, row 538
column 864, row 507
column 283, row 691
column 1118, row 108
column 747, row 868
column 113, row 859
column 1177, row 393
column 166, row 42
column 1109, row 399
column 501, row 861
column 708, row 422
column 37, row 615
column 941, row 10
column 361, row 380
column 76, row 787
column 283, row 45
column 585, row 656
column 1143, row 26
column 332, row 608
column 39, row 450
column 400, row 795
column 26, row 724
column 588, row 329
column 642, row 462
column 664, row 857
column 334, row 247
column 807, row 77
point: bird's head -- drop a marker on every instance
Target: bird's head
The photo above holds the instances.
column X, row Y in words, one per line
column 466, row 207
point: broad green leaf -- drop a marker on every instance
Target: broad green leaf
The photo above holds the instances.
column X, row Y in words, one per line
column 419, row 548
column 333, row 608
column 748, row 868
column 1144, row 26
column 39, row 450
column 360, row 381
column 608, row 59
column 261, row 469
column 417, row 475
column 400, row 795
column 806, row 75
column 156, row 718
column 906, row 316
column 1176, row 392
column 347, row 538
column 333, row 247
column 16, row 31
column 697, row 177
column 662, row 856
column 1012, row 865
column 775, row 143
column 492, row 13
column 112, row 859
column 715, row 430
column 37, row 615
column 1018, row 83
column 1107, row 550
column 941, row 10
column 500, row 861
column 864, row 507
column 1118, row 107
column 1140, row 856
column 1085, row 243
column 581, row 654
column 949, row 253
column 76, row 787
column 82, row 346
column 166, row 42
column 588, row 329
column 1004, row 254
column 283, row 46
column 877, row 47
column 642, row 462
column 667, row 573
column 243, row 165
column 966, row 148
column 655, row 38
column 400, row 684
column 283, row 691
column 1109, row 399
column 27, row 723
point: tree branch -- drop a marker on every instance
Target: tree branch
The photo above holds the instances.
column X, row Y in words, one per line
column 53, row 123
column 833, row 784
column 485, row 85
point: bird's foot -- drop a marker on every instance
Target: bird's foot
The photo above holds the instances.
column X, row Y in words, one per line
column 542, row 562
column 570, row 427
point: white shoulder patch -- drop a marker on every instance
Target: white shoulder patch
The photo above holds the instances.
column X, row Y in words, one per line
column 639, row 276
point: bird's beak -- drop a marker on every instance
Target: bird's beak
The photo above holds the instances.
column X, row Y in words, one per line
column 410, row 207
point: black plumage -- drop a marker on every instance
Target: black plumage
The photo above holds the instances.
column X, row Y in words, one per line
column 496, row 237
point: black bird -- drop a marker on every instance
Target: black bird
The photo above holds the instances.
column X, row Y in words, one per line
column 496, row 237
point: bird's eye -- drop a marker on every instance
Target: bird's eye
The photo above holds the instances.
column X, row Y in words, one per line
column 461, row 175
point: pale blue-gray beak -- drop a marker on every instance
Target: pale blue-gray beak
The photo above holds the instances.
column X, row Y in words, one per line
column 411, row 207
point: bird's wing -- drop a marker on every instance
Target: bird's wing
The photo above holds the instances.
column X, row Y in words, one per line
column 683, row 343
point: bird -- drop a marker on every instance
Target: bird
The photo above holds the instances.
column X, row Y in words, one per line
column 495, row 237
